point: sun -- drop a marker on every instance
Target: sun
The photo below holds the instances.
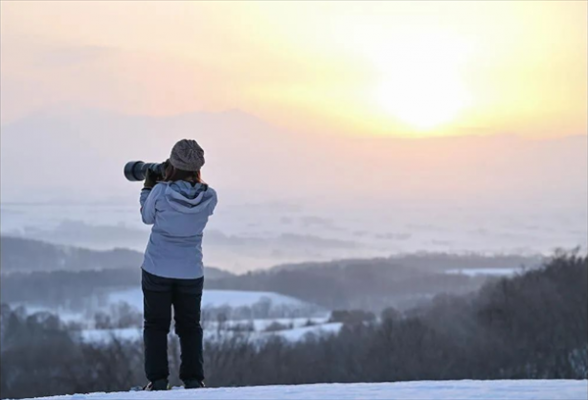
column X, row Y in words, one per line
column 421, row 84
column 420, row 101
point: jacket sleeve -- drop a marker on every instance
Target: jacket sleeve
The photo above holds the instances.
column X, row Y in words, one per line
column 148, row 200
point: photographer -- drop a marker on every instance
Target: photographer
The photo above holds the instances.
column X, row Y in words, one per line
column 178, row 205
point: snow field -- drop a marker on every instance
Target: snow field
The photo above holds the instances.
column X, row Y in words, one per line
column 438, row 390
column 212, row 298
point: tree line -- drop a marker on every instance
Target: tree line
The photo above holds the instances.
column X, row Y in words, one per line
column 369, row 284
column 534, row 325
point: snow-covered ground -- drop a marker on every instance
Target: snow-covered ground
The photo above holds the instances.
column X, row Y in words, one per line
column 213, row 298
column 292, row 329
column 104, row 335
column 439, row 390
column 234, row 304
column 484, row 271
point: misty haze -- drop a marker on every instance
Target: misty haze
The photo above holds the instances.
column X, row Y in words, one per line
column 289, row 196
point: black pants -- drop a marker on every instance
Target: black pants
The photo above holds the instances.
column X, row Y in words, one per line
column 159, row 294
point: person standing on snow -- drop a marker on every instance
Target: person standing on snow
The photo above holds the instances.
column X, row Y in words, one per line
column 178, row 206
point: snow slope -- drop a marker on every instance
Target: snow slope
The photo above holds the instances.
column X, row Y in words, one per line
column 439, row 390
column 213, row 298
column 484, row 271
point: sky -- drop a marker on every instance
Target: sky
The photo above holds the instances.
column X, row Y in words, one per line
column 401, row 69
column 331, row 129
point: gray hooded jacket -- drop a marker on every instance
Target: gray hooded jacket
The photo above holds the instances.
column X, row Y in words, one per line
column 178, row 212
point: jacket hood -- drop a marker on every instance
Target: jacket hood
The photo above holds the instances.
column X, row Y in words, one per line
column 185, row 198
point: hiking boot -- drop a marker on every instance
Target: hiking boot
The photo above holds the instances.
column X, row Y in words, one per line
column 194, row 384
column 160, row 384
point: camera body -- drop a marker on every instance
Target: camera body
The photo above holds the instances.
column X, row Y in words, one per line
column 136, row 171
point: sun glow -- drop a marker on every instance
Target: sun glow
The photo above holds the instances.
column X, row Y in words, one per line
column 387, row 68
column 421, row 82
column 421, row 101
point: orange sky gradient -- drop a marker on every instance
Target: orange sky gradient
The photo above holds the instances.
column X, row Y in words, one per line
column 410, row 69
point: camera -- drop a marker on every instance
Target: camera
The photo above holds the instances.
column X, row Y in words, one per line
column 137, row 170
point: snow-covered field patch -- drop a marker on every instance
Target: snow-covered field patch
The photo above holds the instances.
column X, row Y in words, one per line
column 483, row 271
column 439, row 390
column 213, row 298
column 104, row 335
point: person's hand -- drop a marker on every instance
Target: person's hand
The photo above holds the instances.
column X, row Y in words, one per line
column 151, row 178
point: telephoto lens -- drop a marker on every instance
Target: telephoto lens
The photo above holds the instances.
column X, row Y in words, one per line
column 137, row 170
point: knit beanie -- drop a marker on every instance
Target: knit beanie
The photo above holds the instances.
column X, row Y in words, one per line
column 187, row 155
